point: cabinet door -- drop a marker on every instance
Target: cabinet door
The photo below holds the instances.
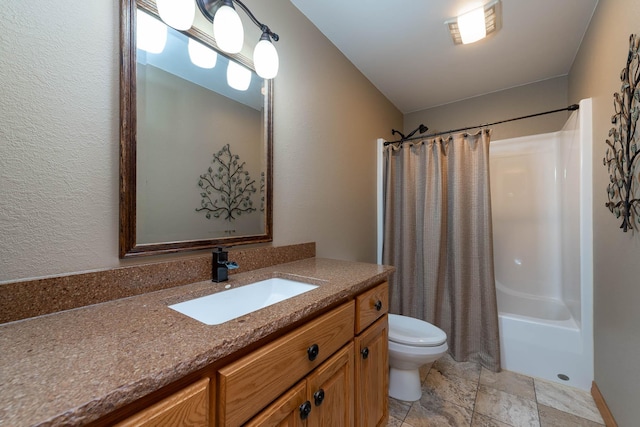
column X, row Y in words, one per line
column 330, row 391
column 252, row 382
column 284, row 412
column 372, row 375
column 188, row 407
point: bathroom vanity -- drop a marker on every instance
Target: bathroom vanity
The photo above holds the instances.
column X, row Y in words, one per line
column 317, row 359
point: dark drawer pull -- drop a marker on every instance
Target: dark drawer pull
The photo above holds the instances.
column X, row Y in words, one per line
column 378, row 305
column 318, row 397
column 313, row 352
column 365, row 352
column 305, row 410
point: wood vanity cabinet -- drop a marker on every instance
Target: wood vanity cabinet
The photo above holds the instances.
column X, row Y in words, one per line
column 285, row 411
column 252, row 382
column 324, row 398
column 329, row 372
column 372, row 360
column 188, row 407
column 348, row 388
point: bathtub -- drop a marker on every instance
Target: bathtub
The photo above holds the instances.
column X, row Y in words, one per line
column 541, row 210
column 543, row 253
column 540, row 338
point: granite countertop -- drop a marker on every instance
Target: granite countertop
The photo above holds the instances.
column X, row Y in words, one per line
column 72, row 367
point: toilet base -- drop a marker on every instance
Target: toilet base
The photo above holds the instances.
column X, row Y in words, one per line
column 404, row 384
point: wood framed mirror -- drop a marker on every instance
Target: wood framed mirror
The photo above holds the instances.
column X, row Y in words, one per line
column 195, row 148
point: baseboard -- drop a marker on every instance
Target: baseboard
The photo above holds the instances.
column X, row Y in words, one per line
column 606, row 414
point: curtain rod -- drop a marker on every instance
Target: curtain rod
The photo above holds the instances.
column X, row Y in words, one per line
column 571, row 107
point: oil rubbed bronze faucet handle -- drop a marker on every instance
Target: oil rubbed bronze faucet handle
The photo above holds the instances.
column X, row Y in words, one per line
column 313, row 352
column 378, row 305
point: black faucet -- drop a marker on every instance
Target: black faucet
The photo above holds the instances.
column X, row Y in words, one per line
column 220, row 265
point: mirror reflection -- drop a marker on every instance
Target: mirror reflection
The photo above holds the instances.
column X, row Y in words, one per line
column 201, row 145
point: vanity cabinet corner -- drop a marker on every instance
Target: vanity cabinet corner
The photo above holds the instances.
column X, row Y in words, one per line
column 372, row 357
column 189, row 407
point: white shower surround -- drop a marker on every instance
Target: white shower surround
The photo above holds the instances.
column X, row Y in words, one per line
column 545, row 318
column 543, row 251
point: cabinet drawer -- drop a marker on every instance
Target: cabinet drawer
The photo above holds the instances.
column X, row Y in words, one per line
column 249, row 384
column 188, row 407
column 371, row 305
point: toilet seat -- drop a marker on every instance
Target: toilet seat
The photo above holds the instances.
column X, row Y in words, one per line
column 414, row 332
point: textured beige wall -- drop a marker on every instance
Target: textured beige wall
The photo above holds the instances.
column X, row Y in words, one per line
column 59, row 138
column 328, row 117
column 596, row 73
column 515, row 102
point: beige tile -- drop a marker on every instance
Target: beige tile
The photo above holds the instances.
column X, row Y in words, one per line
column 567, row 399
column 432, row 411
column 398, row 408
column 394, row 422
column 509, row 382
column 506, row 408
column 447, row 366
column 480, row 420
column 451, row 388
column 550, row 417
column 424, row 371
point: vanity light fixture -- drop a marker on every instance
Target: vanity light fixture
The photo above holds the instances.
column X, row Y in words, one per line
column 151, row 34
column 201, row 55
column 178, row 14
column 227, row 29
column 476, row 24
column 238, row 77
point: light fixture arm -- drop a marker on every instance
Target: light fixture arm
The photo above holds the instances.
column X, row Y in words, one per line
column 263, row 27
column 209, row 8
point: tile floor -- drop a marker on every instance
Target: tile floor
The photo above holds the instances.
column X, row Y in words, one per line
column 465, row 394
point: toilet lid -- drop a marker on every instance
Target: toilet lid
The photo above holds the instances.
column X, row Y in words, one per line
column 411, row 331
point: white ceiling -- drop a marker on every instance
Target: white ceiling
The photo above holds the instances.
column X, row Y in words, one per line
column 406, row 51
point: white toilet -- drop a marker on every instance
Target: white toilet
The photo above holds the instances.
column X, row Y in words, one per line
column 412, row 343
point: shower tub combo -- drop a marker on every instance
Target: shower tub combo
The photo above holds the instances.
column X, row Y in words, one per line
column 541, row 208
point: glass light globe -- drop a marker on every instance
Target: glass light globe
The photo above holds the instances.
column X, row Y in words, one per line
column 178, row 14
column 227, row 30
column 472, row 26
column 201, row 55
column 238, row 77
column 265, row 59
column 151, row 34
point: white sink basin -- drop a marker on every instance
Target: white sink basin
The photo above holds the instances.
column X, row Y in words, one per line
column 223, row 306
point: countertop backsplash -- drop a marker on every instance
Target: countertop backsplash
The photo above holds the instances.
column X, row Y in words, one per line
column 35, row 297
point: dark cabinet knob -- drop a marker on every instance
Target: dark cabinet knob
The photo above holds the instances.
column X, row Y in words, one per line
column 318, row 397
column 365, row 352
column 305, row 410
column 313, row 352
column 378, row 305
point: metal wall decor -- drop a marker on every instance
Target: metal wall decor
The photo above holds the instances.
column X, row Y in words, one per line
column 226, row 188
column 623, row 150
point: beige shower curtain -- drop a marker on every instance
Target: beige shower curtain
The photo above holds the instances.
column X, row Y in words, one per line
column 437, row 233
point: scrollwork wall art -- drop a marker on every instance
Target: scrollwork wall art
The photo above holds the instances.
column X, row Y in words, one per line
column 226, row 188
column 623, row 145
